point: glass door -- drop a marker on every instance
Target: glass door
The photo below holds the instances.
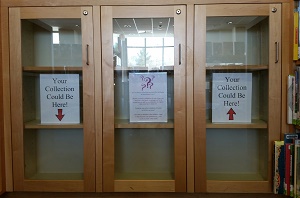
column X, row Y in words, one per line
column 52, row 85
column 237, row 84
column 144, row 120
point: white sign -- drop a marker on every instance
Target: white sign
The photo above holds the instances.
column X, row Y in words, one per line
column 231, row 97
column 148, row 97
column 59, row 98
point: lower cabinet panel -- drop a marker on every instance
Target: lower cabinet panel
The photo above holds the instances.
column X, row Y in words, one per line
column 144, row 186
column 238, row 186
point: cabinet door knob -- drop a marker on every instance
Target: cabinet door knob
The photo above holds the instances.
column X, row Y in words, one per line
column 85, row 12
column 274, row 10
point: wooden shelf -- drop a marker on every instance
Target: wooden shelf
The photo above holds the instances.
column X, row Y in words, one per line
column 52, row 69
column 161, row 68
column 36, row 124
column 144, row 176
column 227, row 186
column 235, row 176
column 255, row 124
column 144, row 185
column 54, row 185
column 237, row 67
column 297, row 62
column 125, row 124
column 56, row 176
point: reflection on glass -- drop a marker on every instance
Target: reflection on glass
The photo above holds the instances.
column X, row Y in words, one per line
column 248, row 146
column 236, row 41
column 145, row 52
column 53, row 154
column 154, row 42
column 232, row 42
column 168, row 58
column 144, row 154
column 55, row 42
column 48, row 46
column 142, row 46
column 145, row 47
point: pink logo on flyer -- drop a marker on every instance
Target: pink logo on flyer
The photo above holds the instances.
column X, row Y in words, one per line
column 147, row 82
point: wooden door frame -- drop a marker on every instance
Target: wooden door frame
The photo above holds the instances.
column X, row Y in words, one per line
column 2, row 147
column 2, row 153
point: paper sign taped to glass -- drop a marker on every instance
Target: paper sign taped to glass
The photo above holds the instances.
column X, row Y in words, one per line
column 231, row 97
column 148, row 97
column 59, row 96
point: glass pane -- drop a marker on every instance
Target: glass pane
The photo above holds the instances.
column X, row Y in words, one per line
column 52, row 99
column 53, row 154
column 168, row 59
column 237, row 41
column 168, row 41
column 135, row 42
column 237, row 52
column 51, row 42
column 227, row 146
column 155, row 58
column 144, row 98
column 144, row 154
column 145, row 45
column 154, row 42
column 136, row 57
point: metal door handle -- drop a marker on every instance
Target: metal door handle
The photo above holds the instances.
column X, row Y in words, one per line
column 87, row 55
column 277, row 52
column 179, row 48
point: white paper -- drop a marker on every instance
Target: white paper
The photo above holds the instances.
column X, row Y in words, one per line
column 148, row 97
column 231, row 97
column 59, row 95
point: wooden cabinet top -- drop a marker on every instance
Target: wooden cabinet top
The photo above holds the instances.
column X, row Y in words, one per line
column 9, row 3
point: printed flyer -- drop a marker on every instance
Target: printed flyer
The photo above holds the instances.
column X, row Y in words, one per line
column 231, row 97
column 148, row 97
column 59, row 95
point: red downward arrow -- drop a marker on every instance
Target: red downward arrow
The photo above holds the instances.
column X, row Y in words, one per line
column 60, row 115
column 231, row 112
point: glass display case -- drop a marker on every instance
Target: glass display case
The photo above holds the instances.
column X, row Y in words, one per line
column 143, row 99
column 122, row 99
column 52, row 74
column 240, row 74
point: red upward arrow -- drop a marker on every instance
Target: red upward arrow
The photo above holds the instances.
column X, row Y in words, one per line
column 231, row 112
column 60, row 115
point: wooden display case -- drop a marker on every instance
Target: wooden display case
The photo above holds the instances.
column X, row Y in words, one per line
column 49, row 153
column 144, row 155
column 238, row 153
column 107, row 152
